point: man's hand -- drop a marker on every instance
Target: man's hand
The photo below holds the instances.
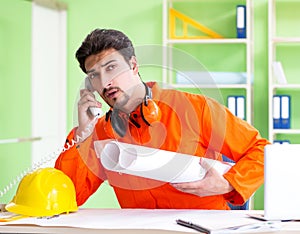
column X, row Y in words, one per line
column 85, row 118
column 212, row 184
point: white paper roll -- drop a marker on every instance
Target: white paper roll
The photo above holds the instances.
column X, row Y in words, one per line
column 153, row 163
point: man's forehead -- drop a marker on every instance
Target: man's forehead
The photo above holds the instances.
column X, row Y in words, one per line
column 101, row 58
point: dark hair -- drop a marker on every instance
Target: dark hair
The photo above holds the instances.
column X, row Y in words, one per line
column 102, row 39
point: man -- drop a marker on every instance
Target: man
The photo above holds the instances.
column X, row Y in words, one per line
column 144, row 114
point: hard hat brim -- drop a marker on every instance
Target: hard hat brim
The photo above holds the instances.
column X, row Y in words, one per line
column 31, row 211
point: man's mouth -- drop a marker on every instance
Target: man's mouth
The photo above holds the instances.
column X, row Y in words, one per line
column 112, row 93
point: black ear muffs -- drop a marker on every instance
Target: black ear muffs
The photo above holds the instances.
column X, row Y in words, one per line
column 117, row 121
column 150, row 112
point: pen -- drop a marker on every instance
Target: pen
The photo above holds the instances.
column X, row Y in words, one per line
column 193, row 226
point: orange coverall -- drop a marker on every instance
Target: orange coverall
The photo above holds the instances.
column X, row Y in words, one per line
column 190, row 124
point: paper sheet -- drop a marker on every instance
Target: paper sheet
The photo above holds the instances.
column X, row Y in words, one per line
column 161, row 219
column 153, row 163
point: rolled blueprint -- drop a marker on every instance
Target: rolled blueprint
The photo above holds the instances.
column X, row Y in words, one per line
column 154, row 163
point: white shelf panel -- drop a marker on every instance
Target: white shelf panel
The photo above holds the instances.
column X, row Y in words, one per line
column 211, row 86
column 208, row 41
column 18, row 140
column 286, row 40
column 201, row 1
column 286, row 131
column 286, row 86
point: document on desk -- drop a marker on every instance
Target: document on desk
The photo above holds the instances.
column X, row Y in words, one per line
column 154, row 163
column 217, row 221
column 252, row 228
column 8, row 216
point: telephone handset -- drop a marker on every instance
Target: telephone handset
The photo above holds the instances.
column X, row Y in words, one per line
column 96, row 111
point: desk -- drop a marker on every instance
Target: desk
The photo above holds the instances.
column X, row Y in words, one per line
column 136, row 221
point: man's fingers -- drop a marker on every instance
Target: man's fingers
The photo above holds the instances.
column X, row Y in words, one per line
column 205, row 164
column 87, row 99
column 188, row 185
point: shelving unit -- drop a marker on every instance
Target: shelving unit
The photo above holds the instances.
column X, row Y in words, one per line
column 231, row 47
column 236, row 48
column 284, row 46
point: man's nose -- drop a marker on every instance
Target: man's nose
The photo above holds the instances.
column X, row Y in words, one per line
column 108, row 84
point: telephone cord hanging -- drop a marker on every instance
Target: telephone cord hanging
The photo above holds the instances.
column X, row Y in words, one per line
column 51, row 156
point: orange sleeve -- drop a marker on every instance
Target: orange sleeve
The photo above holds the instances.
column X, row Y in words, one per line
column 239, row 141
column 81, row 164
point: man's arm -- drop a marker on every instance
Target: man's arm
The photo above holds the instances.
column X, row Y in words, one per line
column 223, row 132
column 82, row 166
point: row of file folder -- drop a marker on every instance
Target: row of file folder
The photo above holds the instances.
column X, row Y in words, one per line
column 236, row 104
column 281, row 111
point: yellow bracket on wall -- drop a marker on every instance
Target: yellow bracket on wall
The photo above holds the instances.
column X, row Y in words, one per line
column 186, row 22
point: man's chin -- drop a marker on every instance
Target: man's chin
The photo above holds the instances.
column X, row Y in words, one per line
column 120, row 102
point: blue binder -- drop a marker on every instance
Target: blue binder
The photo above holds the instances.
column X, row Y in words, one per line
column 285, row 111
column 236, row 104
column 281, row 112
column 231, row 104
column 241, row 21
column 281, row 142
column 276, row 112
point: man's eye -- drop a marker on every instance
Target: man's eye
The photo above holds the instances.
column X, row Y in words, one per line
column 92, row 76
column 110, row 67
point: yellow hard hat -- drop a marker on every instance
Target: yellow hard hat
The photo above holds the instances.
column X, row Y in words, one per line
column 44, row 192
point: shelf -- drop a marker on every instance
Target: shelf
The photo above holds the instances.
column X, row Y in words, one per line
column 18, row 140
column 286, row 131
column 284, row 45
column 286, row 40
column 208, row 41
column 231, row 54
column 286, row 86
column 173, row 1
column 210, row 86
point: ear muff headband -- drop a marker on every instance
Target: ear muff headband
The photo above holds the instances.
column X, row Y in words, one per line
column 151, row 112
column 118, row 121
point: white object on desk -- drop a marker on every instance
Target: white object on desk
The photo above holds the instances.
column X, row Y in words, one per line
column 133, row 219
column 282, row 189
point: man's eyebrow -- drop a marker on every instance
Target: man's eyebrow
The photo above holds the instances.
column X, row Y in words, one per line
column 102, row 65
column 110, row 61
column 90, row 71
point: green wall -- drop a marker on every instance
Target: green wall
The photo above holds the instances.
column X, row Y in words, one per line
column 140, row 20
column 260, row 91
column 15, row 119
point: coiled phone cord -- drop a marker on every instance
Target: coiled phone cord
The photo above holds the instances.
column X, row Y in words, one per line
column 51, row 156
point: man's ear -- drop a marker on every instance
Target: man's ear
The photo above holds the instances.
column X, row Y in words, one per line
column 134, row 65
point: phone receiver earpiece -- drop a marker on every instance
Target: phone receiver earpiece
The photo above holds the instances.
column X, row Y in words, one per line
column 88, row 85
